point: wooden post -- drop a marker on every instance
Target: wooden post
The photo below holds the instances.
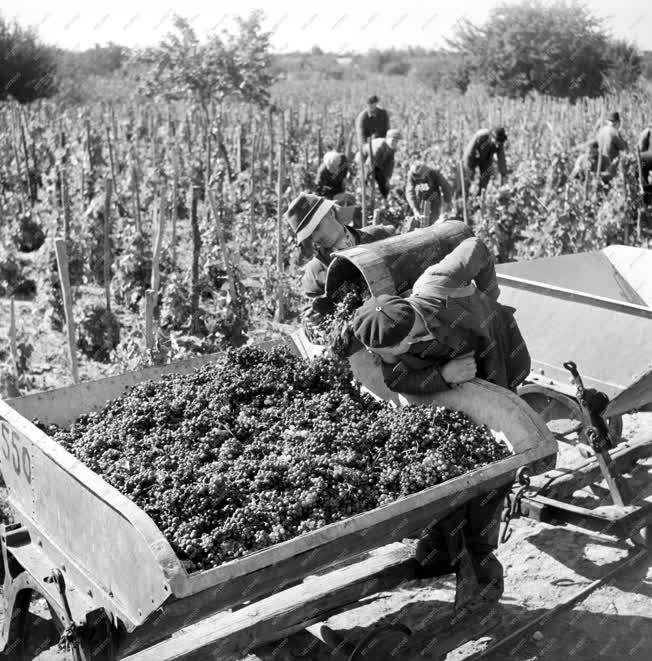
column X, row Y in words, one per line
column 31, row 190
column 108, row 190
column 378, row 217
column 372, row 187
column 135, row 183
column 159, row 225
column 175, row 204
column 320, row 147
column 363, row 182
column 216, row 210
column 149, row 319
column 238, row 149
column 13, row 346
column 270, row 124
column 279, row 315
column 65, row 201
column 196, row 249
column 62, row 263
column 111, row 162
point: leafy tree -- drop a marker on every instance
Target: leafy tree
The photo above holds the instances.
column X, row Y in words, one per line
column 233, row 65
column 625, row 65
column 559, row 49
column 27, row 67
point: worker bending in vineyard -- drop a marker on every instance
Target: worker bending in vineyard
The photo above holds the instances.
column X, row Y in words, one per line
column 611, row 142
column 446, row 332
column 331, row 179
column 372, row 122
column 379, row 163
column 587, row 163
column 322, row 222
column 427, row 184
column 485, row 147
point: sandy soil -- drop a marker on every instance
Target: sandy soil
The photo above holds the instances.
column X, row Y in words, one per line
column 544, row 566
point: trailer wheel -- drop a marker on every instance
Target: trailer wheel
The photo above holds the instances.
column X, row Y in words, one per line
column 17, row 647
column 99, row 638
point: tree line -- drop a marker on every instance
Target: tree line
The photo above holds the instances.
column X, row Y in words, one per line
column 561, row 50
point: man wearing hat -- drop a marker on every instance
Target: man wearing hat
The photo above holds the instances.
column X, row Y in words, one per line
column 447, row 331
column 611, row 142
column 381, row 161
column 319, row 220
column 427, row 184
column 485, row 146
column 331, row 177
column 373, row 122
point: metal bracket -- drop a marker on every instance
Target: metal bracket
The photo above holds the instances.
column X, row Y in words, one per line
column 70, row 637
column 513, row 509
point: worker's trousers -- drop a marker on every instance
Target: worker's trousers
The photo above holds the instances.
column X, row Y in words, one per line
column 473, row 529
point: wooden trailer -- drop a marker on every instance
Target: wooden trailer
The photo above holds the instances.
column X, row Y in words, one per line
column 116, row 589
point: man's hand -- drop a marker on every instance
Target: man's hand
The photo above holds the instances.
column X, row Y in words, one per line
column 459, row 370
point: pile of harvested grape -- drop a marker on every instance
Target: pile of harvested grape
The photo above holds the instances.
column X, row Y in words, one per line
column 263, row 446
column 348, row 297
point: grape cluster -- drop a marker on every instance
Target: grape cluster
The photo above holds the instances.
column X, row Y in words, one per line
column 345, row 300
column 263, row 446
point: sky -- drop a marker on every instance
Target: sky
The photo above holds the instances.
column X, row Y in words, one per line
column 336, row 25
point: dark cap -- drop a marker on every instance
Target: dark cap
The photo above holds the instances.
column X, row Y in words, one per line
column 614, row 117
column 383, row 321
column 500, row 133
column 372, row 99
column 305, row 213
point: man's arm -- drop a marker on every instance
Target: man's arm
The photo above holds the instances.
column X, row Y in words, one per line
column 313, row 282
column 385, row 124
column 644, row 140
column 444, row 187
column 471, row 260
column 410, row 195
column 424, row 381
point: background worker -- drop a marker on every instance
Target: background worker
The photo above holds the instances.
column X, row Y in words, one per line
column 485, row 147
column 446, row 332
column 331, row 178
column 380, row 164
column 611, row 142
column 587, row 163
column 373, row 122
column 427, row 184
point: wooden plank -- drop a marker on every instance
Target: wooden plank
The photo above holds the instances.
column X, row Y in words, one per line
column 562, row 484
column 284, row 613
column 62, row 262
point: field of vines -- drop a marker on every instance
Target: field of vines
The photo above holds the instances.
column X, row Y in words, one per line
column 168, row 215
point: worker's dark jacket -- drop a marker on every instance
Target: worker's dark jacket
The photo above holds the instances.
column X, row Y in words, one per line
column 313, row 282
column 372, row 126
column 382, row 163
column 430, row 188
column 329, row 185
column 480, row 153
column 462, row 319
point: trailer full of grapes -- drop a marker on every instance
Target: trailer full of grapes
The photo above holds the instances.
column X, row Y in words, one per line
column 112, row 581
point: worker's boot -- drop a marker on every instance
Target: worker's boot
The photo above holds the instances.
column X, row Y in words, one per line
column 483, row 530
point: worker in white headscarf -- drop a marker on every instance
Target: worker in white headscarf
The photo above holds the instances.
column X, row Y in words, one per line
column 331, row 178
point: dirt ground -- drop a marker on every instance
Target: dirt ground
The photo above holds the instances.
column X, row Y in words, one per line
column 544, row 565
